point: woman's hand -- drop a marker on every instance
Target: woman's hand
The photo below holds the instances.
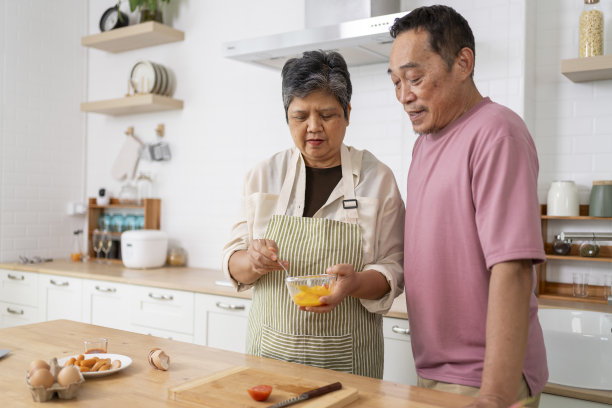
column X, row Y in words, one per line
column 263, row 256
column 346, row 284
column 248, row 265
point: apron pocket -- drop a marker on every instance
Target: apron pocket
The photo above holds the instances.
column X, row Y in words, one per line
column 331, row 352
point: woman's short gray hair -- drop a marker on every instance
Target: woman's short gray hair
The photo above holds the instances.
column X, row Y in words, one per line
column 317, row 71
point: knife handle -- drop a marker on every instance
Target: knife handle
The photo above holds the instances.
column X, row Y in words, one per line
column 323, row 390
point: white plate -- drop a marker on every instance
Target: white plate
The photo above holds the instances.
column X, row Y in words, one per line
column 163, row 90
column 125, row 362
column 143, row 77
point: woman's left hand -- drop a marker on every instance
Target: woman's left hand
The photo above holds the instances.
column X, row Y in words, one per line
column 345, row 285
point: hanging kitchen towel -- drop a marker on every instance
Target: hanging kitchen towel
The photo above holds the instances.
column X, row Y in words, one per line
column 127, row 159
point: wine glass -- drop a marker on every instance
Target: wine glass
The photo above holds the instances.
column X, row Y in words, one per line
column 96, row 242
column 107, row 243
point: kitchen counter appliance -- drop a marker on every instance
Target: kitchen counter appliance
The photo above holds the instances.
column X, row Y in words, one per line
column 142, row 249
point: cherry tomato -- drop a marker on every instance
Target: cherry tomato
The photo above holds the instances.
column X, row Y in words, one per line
column 260, row 392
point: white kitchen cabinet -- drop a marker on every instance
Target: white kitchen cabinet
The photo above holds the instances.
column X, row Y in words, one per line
column 60, row 297
column 399, row 363
column 18, row 298
column 161, row 309
column 556, row 401
column 107, row 304
column 19, row 287
column 12, row 314
column 221, row 321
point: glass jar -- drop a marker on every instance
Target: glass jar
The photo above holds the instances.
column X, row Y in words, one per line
column 589, row 249
column 128, row 194
column 591, row 29
column 176, row 257
column 560, row 246
column 130, row 222
column 144, row 185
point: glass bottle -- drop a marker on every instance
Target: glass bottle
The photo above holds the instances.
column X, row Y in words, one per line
column 591, row 29
column 145, row 187
column 561, row 247
column 76, row 253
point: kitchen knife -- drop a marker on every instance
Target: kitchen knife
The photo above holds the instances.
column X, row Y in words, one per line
column 4, row 352
column 308, row 395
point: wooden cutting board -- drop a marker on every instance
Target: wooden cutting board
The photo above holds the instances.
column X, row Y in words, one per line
column 229, row 389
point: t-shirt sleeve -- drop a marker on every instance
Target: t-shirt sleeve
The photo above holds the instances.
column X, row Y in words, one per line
column 504, row 190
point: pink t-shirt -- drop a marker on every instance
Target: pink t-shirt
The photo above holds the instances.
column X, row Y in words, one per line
column 471, row 203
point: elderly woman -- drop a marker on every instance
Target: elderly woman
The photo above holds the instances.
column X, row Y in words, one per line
column 321, row 207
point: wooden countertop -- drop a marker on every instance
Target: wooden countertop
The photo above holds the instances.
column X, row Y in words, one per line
column 199, row 280
column 141, row 385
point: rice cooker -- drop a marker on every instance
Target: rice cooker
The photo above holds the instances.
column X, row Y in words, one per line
column 143, row 249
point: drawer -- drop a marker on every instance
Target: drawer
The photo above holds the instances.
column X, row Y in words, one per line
column 164, row 334
column 221, row 322
column 19, row 287
column 14, row 315
column 105, row 304
column 60, row 297
column 162, row 309
column 398, row 329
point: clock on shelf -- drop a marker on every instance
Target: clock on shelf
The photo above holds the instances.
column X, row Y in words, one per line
column 113, row 18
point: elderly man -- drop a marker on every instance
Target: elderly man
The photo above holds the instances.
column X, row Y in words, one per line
column 472, row 230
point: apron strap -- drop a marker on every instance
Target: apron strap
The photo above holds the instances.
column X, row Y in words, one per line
column 349, row 203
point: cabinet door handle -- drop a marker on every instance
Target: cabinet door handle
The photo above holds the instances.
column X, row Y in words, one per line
column 229, row 306
column 400, row 330
column 64, row 283
column 15, row 277
column 105, row 290
column 161, row 297
column 13, row 311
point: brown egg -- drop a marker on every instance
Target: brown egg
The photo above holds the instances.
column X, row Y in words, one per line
column 36, row 364
column 68, row 375
column 41, row 378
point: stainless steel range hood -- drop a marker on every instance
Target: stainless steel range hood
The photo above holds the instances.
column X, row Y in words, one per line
column 361, row 42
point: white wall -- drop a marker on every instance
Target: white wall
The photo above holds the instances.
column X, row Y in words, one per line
column 42, row 133
column 573, row 127
column 233, row 115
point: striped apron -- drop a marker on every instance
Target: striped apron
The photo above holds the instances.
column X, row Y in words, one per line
column 347, row 339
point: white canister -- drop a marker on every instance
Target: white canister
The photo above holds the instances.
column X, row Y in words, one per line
column 563, row 199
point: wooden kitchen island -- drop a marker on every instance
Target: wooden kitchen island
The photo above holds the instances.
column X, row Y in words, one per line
column 140, row 385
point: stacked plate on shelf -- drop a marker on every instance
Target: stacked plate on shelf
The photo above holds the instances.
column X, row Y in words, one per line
column 150, row 77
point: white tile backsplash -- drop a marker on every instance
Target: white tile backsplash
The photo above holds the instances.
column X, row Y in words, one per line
column 42, row 132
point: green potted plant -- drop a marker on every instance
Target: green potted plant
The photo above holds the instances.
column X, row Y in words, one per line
column 149, row 9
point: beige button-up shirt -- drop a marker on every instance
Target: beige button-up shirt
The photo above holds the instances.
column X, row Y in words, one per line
column 380, row 211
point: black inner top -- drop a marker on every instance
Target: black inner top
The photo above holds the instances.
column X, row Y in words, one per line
column 319, row 185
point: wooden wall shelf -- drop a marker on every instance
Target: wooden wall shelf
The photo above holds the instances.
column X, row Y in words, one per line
column 133, row 37
column 133, row 104
column 587, row 69
column 150, row 207
column 564, row 291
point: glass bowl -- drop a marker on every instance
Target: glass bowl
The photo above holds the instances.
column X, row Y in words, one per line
column 306, row 290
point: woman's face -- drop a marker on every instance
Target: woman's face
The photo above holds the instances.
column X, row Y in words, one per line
column 317, row 126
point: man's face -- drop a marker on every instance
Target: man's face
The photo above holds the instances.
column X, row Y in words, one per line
column 424, row 84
